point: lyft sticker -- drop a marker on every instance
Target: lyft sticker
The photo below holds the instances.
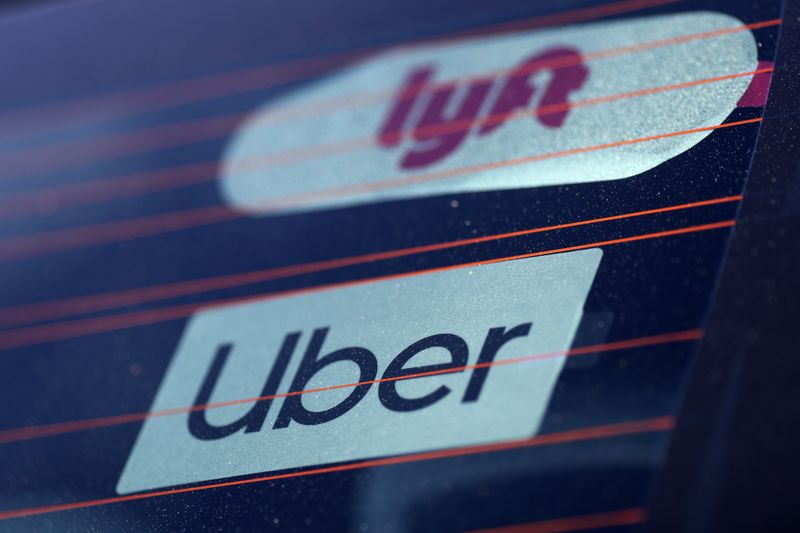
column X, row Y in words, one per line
column 297, row 347
column 493, row 112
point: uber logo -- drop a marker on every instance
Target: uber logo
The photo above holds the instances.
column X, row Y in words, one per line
column 375, row 331
column 365, row 360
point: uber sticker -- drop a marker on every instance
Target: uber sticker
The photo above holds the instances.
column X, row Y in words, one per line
column 463, row 116
column 374, row 331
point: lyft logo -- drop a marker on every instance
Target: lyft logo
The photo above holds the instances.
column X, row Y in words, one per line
column 442, row 123
column 298, row 350
column 495, row 112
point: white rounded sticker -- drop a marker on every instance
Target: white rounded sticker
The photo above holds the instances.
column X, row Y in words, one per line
column 521, row 110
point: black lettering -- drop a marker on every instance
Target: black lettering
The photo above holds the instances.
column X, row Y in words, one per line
column 254, row 419
column 495, row 340
column 292, row 408
column 387, row 391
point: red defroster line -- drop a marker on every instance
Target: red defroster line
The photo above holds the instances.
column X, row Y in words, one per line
column 138, row 101
column 60, row 428
column 414, row 179
column 336, row 104
column 107, row 147
column 25, row 246
column 31, row 313
column 16, row 338
column 98, row 190
column 625, row 517
column 649, row 425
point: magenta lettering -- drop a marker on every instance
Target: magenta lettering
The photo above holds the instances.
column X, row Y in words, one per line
column 437, row 119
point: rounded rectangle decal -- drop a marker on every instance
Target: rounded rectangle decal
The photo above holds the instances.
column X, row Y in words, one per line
column 299, row 361
column 520, row 110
